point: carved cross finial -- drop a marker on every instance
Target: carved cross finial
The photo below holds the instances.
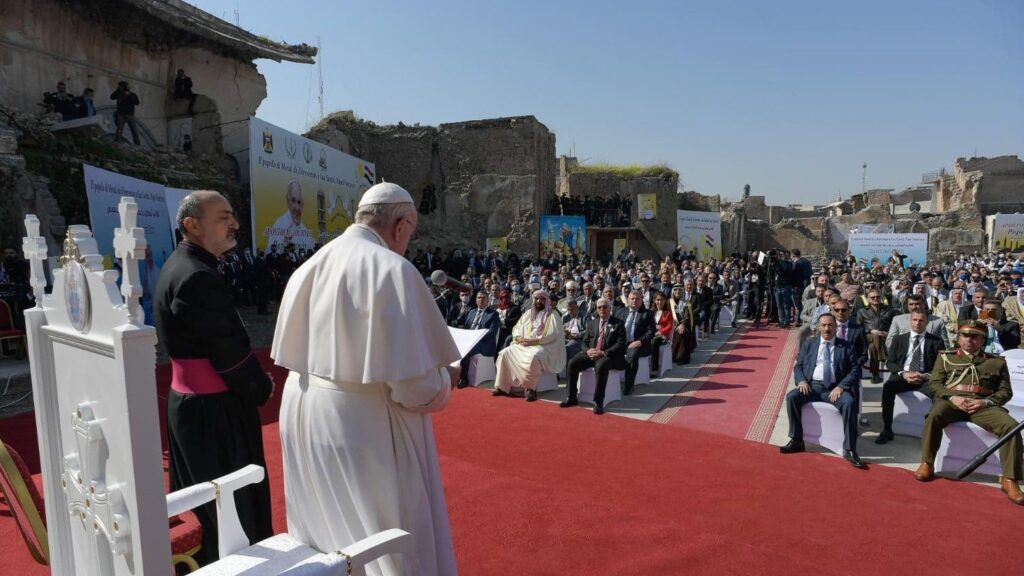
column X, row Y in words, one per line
column 34, row 248
column 130, row 248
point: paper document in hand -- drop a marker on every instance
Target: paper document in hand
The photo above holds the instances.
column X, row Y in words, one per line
column 466, row 339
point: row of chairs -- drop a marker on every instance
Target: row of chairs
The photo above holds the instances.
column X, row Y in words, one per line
column 961, row 441
column 482, row 369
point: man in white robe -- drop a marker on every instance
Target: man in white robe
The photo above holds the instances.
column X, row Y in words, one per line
column 538, row 345
column 370, row 359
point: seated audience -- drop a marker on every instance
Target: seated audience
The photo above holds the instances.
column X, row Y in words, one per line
column 911, row 358
column 826, row 370
column 969, row 385
column 604, row 350
column 639, row 325
column 664, row 323
column 538, row 345
column 482, row 318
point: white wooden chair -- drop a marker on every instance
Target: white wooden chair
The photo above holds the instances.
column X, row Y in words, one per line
column 823, row 425
column 587, row 382
column 280, row 554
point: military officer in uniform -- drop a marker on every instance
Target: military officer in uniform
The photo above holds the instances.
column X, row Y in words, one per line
column 968, row 384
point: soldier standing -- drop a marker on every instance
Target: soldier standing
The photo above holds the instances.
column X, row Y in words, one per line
column 968, row 384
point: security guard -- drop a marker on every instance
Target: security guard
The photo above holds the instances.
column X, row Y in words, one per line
column 970, row 385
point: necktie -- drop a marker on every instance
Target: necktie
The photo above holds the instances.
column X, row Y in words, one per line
column 476, row 321
column 842, row 331
column 935, row 302
column 600, row 336
column 629, row 325
column 826, row 366
column 915, row 356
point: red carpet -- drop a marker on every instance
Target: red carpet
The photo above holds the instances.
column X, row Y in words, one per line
column 740, row 395
column 534, row 489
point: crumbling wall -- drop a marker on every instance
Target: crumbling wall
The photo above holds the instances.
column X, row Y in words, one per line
column 45, row 41
column 490, row 177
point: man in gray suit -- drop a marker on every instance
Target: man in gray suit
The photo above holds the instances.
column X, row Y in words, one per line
column 901, row 323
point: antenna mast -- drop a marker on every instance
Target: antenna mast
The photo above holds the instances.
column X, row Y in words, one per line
column 320, row 74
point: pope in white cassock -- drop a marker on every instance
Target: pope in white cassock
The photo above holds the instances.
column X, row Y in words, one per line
column 538, row 346
column 370, row 359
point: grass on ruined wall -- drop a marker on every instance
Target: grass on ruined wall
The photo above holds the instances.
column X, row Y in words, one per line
column 628, row 170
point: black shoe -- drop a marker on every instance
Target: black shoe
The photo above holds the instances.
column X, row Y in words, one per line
column 885, row 437
column 568, row 402
column 852, row 457
column 793, row 447
column 462, row 383
column 876, row 379
column 733, row 324
column 531, row 395
column 499, row 392
column 627, row 390
column 598, row 410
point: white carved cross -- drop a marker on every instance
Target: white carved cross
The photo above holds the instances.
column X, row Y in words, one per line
column 130, row 248
column 34, row 248
column 93, row 499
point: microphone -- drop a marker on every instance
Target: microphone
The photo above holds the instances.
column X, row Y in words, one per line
column 440, row 279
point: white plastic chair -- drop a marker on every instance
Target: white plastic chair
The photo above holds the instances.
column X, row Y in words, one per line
column 547, row 382
column 280, row 554
column 481, row 369
column 587, row 382
column 823, row 425
column 961, row 442
column 908, row 413
column 665, row 358
column 643, row 370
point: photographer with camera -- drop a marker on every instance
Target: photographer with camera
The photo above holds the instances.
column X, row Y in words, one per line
column 126, row 103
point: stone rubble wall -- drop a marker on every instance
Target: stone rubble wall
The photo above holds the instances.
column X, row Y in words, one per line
column 491, row 177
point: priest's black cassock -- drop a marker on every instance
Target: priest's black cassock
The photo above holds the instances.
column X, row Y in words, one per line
column 213, row 423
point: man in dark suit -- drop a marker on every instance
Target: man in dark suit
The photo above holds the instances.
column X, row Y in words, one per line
column 574, row 322
column 481, row 318
column 1002, row 334
column 971, row 310
column 639, row 324
column 604, row 349
column 825, row 371
column 910, row 360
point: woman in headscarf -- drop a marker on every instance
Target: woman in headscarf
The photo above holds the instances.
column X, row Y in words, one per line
column 538, row 345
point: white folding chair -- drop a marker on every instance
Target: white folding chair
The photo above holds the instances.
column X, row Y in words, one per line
column 823, row 425
column 908, row 413
column 961, row 442
column 547, row 382
column 665, row 359
column 587, row 382
column 643, row 370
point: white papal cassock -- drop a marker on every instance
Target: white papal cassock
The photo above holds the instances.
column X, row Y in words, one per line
column 367, row 348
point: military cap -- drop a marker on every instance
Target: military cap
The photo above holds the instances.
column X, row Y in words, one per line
column 973, row 327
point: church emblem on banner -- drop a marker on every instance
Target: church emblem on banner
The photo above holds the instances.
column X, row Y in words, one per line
column 290, row 147
column 307, row 152
column 323, row 159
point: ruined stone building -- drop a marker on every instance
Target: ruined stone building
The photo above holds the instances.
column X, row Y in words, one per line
column 97, row 43
column 993, row 185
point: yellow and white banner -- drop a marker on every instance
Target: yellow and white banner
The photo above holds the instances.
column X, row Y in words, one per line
column 618, row 247
column 499, row 244
column 700, row 232
column 647, row 206
column 304, row 193
column 1006, row 232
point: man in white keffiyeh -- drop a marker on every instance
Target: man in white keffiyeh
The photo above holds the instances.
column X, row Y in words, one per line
column 538, row 345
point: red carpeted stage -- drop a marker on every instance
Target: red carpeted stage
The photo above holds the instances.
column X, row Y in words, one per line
column 534, row 489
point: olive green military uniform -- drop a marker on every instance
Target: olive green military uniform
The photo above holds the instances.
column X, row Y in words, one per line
column 957, row 373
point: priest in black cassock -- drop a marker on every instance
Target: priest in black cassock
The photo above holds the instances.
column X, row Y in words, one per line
column 217, row 384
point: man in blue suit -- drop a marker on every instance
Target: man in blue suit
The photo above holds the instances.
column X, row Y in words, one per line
column 481, row 318
column 826, row 371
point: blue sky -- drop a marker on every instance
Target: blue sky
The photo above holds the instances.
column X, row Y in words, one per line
column 790, row 96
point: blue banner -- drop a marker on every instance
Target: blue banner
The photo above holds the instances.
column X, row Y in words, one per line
column 563, row 234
